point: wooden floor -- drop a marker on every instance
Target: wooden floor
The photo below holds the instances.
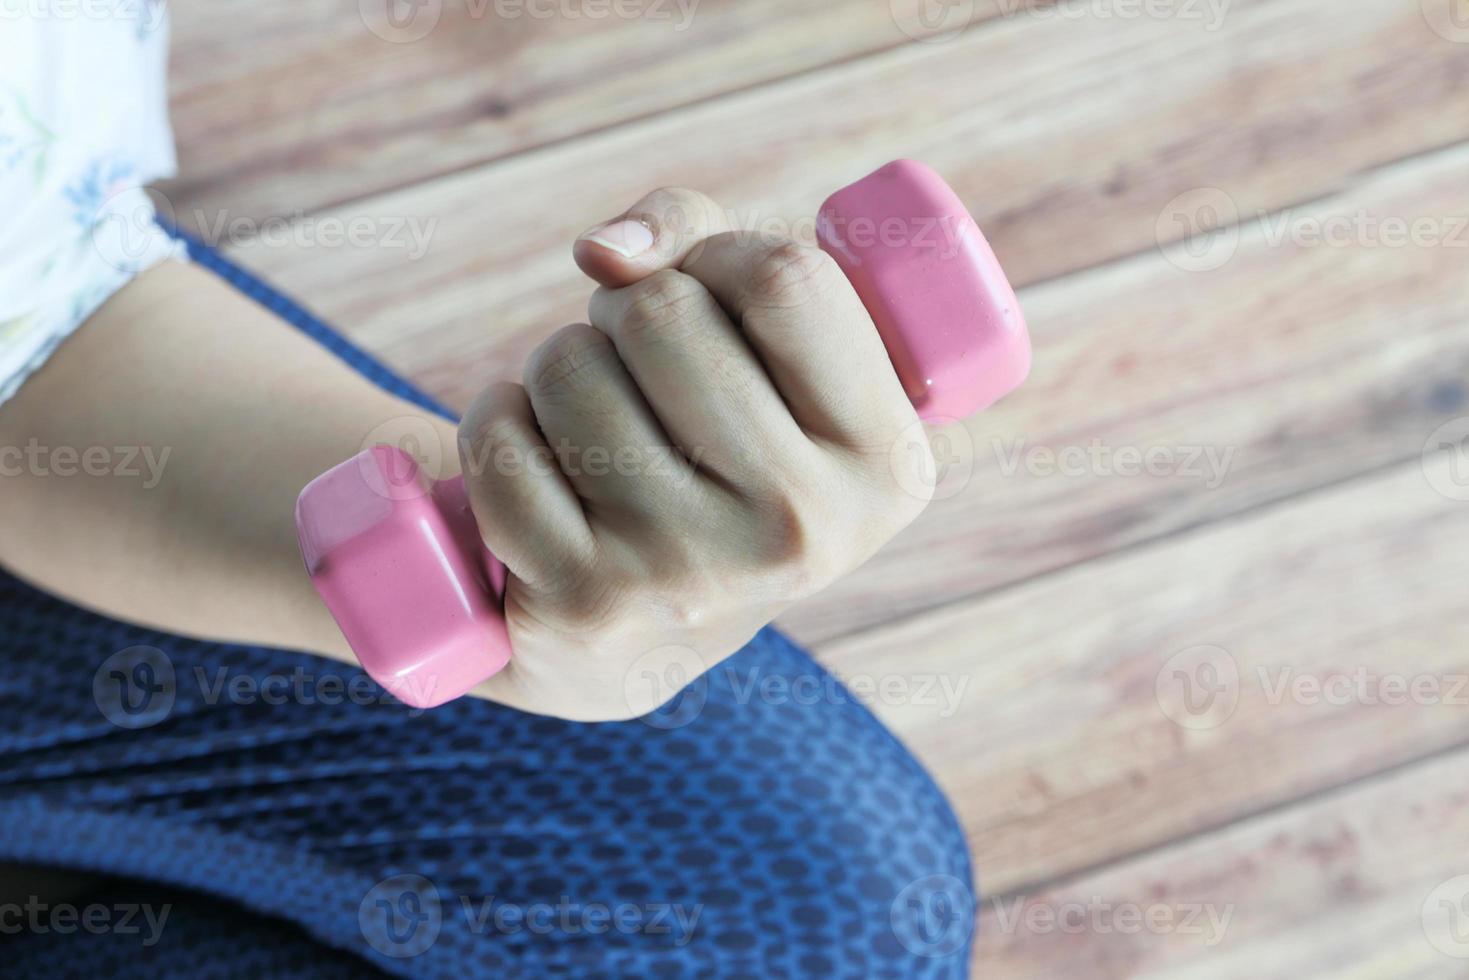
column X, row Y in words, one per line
column 1215, row 718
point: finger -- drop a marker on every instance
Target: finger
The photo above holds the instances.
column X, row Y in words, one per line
column 527, row 512
column 607, row 440
column 658, row 232
column 701, row 378
column 817, row 342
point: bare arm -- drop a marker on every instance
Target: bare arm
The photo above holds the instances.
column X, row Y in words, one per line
column 150, row 469
column 781, row 452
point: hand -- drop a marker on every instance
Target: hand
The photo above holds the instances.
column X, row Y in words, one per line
column 725, row 438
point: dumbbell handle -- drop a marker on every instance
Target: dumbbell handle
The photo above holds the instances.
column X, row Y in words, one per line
column 398, row 558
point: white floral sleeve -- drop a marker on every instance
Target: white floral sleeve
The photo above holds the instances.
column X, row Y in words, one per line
column 83, row 128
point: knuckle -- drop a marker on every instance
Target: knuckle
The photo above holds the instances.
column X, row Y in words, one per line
column 489, row 424
column 568, row 353
column 661, row 305
column 499, row 431
column 893, row 464
column 799, row 558
column 678, row 213
column 483, row 441
column 787, row 274
column 667, row 208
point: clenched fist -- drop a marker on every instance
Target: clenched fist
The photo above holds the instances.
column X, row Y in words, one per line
column 723, row 438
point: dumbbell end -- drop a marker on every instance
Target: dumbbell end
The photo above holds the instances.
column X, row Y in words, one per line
column 397, row 559
column 946, row 313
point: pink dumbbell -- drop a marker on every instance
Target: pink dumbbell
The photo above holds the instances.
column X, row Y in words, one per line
column 399, row 561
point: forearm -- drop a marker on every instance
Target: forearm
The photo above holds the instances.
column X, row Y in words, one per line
column 150, row 469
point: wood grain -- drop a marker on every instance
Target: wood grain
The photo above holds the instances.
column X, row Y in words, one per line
column 293, row 107
column 1072, row 746
column 1057, row 133
column 1335, row 887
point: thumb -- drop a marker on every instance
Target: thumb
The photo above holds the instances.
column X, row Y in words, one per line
column 659, row 232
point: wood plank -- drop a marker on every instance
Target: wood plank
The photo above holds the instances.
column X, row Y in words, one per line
column 1336, row 887
column 1071, row 745
column 297, row 106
